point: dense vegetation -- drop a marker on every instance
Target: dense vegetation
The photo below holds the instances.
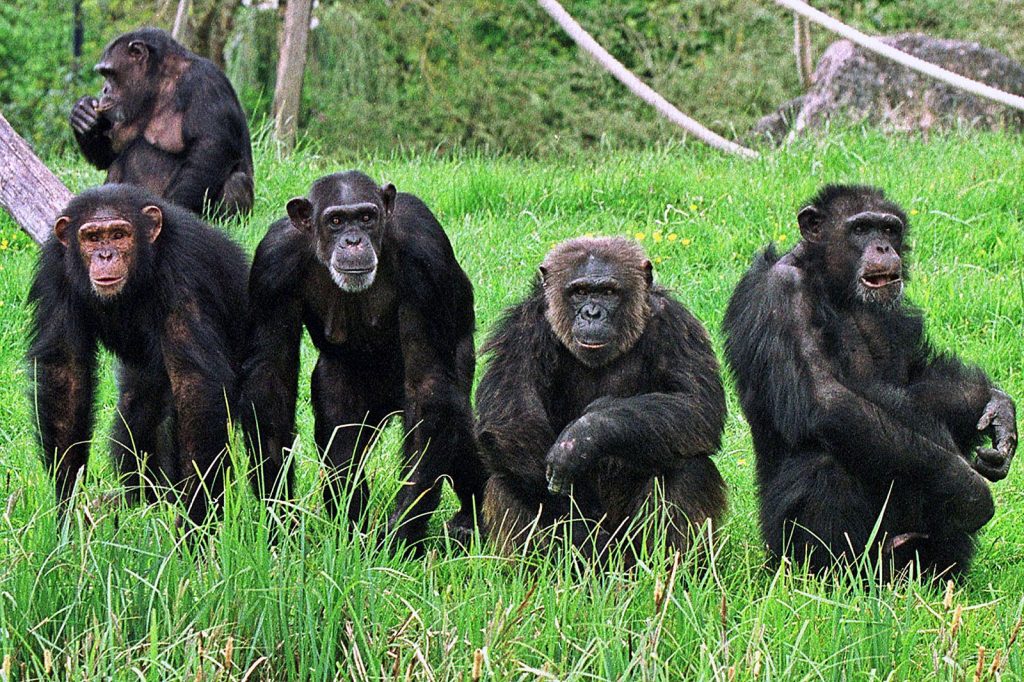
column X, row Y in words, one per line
column 114, row 597
column 495, row 75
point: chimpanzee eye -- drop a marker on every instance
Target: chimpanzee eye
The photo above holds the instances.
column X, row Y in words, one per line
column 365, row 217
column 336, row 220
column 118, row 235
column 94, row 237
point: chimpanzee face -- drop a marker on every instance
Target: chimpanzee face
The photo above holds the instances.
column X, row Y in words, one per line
column 347, row 224
column 107, row 244
column 127, row 88
column 597, row 305
column 861, row 242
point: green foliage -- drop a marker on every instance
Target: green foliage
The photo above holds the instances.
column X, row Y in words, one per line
column 491, row 75
column 116, row 596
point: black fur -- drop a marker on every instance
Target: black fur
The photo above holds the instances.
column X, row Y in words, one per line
column 177, row 330
column 404, row 344
column 852, row 411
column 215, row 169
column 652, row 415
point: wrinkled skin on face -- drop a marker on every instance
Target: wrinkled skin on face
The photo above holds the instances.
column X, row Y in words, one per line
column 107, row 244
column 347, row 225
column 127, row 90
column 861, row 250
column 596, row 292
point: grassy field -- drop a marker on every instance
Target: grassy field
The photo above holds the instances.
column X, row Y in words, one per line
column 115, row 597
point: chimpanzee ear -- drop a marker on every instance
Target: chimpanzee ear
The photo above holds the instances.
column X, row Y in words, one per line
column 809, row 219
column 60, row 229
column 300, row 212
column 648, row 273
column 543, row 272
column 138, row 50
column 388, row 192
column 157, row 216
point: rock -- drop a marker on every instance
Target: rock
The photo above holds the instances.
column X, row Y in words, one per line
column 774, row 127
column 854, row 85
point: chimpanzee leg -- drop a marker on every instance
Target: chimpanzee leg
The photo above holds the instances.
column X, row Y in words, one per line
column 514, row 521
column 817, row 513
column 469, row 475
column 439, row 441
column 347, row 424
column 236, row 197
column 694, row 494
column 139, row 440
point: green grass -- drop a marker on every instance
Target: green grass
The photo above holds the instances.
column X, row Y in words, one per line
column 118, row 598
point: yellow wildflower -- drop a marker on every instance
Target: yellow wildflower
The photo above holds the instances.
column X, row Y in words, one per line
column 639, row 236
column 4, row 244
column 693, row 207
column 687, row 241
column 656, row 236
column 672, row 236
column 914, row 211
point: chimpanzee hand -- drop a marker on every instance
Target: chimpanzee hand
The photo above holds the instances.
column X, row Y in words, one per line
column 84, row 117
column 1000, row 418
column 571, row 454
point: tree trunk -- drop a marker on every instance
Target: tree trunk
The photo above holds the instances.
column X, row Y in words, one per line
column 28, row 190
column 802, row 50
column 290, row 69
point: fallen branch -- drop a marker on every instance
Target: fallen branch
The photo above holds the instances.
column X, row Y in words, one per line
column 32, row 194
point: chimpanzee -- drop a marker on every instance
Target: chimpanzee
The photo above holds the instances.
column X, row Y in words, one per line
column 602, row 384
column 371, row 274
column 167, row 120
column 166, row 294
column 856, row 419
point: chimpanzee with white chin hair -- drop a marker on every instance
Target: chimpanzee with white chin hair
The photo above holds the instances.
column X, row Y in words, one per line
column 372, row 276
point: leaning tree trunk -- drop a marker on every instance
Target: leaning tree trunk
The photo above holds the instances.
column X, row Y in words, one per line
column 290, row 69
column 28, row 190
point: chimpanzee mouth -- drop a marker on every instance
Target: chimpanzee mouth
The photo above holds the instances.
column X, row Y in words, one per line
column 592, row 346
column 108, row 281
column 356, row 271
column 879, row 280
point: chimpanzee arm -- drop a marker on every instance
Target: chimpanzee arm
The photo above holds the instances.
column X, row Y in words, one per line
column 62, row 364
column 271, row 370
column 967, row 402
column 513, row 426
column 212, row 131
column 203, row 382
column 682, row 416
column 91, row 133
column 785, row 380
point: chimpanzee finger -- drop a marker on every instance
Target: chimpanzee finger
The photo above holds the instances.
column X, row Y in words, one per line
column 82, row 124
column 986, row 419
column 991, row 455
column 992, row 469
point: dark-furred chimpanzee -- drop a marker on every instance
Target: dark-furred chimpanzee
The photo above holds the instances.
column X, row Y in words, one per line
column 600, row 383
column 166, row 294
column 169, row 121
column 371, row 274
column 855, row 417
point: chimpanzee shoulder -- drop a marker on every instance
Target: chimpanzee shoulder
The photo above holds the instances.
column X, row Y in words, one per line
column 282, row 259
column 430, row 277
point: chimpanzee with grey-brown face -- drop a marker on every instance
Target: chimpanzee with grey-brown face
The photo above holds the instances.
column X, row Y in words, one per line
column 601, row 394
column 856, row 418
column 369, row 272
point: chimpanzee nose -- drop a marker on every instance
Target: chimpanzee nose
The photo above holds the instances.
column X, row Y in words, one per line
column 883, row 248
column 590, row 312
column 105, row 254
column 353, row 240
